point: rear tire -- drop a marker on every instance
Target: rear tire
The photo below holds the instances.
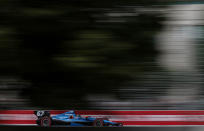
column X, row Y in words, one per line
column 45, row 121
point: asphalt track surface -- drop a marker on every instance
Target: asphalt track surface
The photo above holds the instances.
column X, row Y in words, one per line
column 27, row 128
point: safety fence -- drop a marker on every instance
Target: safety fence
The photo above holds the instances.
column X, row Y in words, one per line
column 127, row 117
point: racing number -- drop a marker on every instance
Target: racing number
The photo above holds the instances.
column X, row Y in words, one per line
column 40, row 113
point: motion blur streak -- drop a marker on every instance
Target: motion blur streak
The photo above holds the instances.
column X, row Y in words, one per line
column 86, row 54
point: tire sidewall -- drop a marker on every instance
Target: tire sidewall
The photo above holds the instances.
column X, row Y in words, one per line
column 43, row 119
column 98, row 120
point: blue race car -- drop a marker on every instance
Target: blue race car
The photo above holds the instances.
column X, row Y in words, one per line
column 71, row 119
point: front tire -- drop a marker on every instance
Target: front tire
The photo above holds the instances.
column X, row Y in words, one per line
column 98, row 122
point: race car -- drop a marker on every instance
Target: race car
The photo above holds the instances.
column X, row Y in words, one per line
column 71, row 119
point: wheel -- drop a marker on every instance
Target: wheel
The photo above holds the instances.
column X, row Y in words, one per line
column 45, row 121
column 98, row 122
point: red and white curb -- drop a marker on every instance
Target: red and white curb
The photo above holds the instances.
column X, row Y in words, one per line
column 128, row 118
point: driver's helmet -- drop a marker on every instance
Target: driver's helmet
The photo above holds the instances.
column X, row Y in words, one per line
column 71, row 117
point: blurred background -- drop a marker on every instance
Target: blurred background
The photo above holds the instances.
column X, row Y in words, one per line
column 110, row 54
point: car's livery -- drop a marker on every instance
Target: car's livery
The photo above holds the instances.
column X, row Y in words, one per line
column 71, row 119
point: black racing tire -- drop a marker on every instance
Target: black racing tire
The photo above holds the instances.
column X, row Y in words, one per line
column 98, row 122
column 45, row 121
